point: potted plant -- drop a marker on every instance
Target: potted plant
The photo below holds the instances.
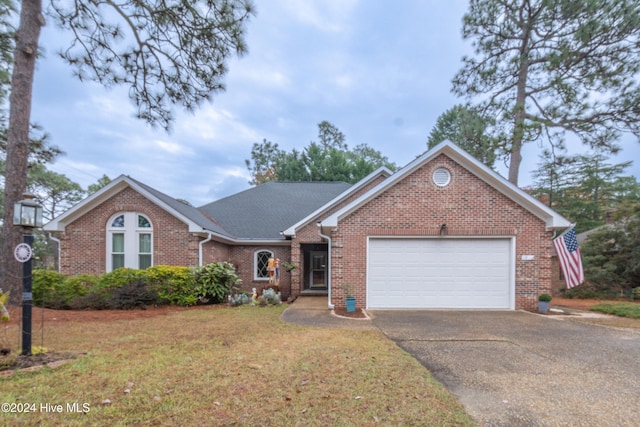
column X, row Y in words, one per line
column 350, row 297
column 543, row 303
column 289, row 266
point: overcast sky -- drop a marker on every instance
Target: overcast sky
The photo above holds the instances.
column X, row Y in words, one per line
column 379, row 70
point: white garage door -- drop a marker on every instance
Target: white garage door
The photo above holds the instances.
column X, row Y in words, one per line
column 439, row 273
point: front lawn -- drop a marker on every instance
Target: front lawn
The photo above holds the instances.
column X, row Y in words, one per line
column 225, row 366
column 621, row 309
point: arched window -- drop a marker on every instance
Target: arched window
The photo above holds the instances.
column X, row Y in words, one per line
column 260, row 264
column 129, row 241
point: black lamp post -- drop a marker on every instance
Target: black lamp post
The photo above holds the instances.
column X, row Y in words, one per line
column 28, row 214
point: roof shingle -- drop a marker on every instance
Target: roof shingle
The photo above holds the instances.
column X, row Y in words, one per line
column 264, row 211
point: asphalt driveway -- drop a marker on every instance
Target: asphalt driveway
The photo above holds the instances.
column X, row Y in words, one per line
column 522, row 369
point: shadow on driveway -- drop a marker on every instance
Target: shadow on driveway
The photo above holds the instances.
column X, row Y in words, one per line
column 522, row 369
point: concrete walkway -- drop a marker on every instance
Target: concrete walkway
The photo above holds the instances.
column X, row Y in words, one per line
column 314, row 311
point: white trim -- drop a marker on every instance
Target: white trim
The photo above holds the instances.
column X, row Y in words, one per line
column 512, row 258
column 255, row 263
column 552, row 219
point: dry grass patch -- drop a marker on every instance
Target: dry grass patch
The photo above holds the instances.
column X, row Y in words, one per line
column 241, row 366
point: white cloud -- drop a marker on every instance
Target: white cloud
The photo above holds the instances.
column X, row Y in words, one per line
column 214, row 128
column 170, row 147
column 326, row 15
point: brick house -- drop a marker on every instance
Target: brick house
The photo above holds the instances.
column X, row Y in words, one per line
column 445, row 231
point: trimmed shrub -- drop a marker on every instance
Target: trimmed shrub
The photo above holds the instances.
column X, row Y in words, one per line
column 77, row 286
column 44, row 286
column 589, row 291
column 174, row 284
column 215, row 281
column 95, row 300
column 120, row 277
column 136, row 294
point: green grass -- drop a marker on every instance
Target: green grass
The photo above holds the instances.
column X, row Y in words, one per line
column 618, row 309
column 224, row 366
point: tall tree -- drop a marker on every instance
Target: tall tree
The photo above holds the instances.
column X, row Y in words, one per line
column 55, row 192
column 552, row 177
column 585, row 188
column 610, row 256
column 467, row 127
column 329, row 159
column 102, row 181
column 543, row 68
column 166, row 51
column 264, row 163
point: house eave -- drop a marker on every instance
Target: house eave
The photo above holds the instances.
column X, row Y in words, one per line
column 59, row 224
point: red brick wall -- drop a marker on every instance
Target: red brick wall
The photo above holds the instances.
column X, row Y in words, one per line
column 83, row 245
column 309, row 234
column 214, row 252
column 417, row 207
column 243, row 257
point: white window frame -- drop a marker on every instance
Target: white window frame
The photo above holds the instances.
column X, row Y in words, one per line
column 132, row 233
column 255, row 263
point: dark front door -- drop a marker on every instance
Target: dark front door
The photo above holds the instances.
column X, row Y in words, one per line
column 318, row 270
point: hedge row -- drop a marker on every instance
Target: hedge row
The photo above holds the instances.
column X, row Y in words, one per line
column 126, row 288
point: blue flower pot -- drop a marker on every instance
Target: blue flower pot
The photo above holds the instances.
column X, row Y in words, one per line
column 543, row 306
column 351, row 304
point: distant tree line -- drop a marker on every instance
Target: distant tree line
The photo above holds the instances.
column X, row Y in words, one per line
column 327, row 159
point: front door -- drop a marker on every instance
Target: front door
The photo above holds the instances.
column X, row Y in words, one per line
column 318, row 270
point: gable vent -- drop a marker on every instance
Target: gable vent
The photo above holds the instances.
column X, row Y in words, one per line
column 441, row 177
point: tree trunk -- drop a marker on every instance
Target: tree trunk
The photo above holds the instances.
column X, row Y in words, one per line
column 25, row 54
column 519, row 115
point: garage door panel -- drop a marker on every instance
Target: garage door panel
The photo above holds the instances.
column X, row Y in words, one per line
column 439, row 273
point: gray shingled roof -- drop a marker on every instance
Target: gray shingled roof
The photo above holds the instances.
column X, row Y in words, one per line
column 188, row 211
column 263, row 212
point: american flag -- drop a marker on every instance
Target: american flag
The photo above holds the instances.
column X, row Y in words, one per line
column 569, row 256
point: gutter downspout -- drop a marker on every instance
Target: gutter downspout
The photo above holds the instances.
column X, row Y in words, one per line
column 328, row 238
column 58, row 251
column 200, row 245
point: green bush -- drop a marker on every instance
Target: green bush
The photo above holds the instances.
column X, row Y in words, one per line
column 95, row 300
column 52, row 290
column 120, row 277
column 544, row 297
column 215, row 281
column 78, row 286
column 136, row 294
column 610, row 256
column 126, row 288
column 44, row 286
column 589, row 291
column 174, row 284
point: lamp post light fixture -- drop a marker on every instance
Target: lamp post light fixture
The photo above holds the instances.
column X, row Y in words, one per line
column 28, row 214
